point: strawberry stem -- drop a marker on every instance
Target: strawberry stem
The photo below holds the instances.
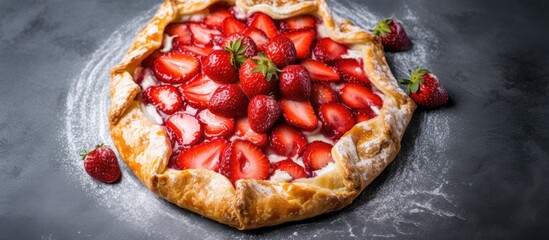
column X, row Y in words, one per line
column 237, row 50
column 266, row 67
column 383, row 28
column 415, row 79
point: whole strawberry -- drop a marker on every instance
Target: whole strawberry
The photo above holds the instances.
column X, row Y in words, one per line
column 295, row 83
column 245, row 42
column 229, row 101
column 258, row 76
column 222, row 65
column 263, row 111
column 393, row 36
column 425, row 89
column 102, row 164
column 281, row 51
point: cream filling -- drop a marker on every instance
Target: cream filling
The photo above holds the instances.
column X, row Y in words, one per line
column 149, row 79
column 281, row 176
column 151, row 113
column 167, row 43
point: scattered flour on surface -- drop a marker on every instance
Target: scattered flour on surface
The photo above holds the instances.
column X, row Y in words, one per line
column 417, row 189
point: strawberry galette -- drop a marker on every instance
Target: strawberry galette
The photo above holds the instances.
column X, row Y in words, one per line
column 257, row 112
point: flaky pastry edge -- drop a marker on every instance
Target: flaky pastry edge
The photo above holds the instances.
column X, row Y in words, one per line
column 360, row 155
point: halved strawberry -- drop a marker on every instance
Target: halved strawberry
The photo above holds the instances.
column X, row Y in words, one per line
column 299, row 114
column 337, row 120
column 327, row 50
column 182, row 33
column 166, row 98
column 198, row 91
column 258, row 36
column 320, row 71
column 364, row 114
column 194, row 50
column 244, row 160
column 303, row 40
column 243, row 131
column 356, row 95
column 290, row 167
column 351, row 70
column 317, row 155
column 206, row 155
column 175, row 67
column 215, row 126
column 301, row 21
column 202, row 33
column 216, row 16
column 287, row 141
column 322, row 93
column 265, row 23
column 184, row 128
column 231, row 25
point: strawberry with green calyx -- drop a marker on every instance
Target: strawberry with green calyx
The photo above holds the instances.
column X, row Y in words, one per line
column 101, row 164
column 392, row 34
column 222, row 65
column 258, row 76
column 425, row 89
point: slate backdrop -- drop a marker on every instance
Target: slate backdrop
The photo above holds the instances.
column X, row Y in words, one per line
column 493, row 58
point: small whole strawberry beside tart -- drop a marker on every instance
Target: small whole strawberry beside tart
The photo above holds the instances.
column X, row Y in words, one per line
column 256, row 113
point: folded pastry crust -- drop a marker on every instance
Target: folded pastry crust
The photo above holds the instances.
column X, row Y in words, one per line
column 360, row 155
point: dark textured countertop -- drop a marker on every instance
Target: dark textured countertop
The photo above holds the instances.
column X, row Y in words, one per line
column 476, row 169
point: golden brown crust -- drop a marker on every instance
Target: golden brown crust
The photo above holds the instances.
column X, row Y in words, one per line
column 360, row 155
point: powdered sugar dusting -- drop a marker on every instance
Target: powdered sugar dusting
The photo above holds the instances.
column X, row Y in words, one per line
column 416, row 189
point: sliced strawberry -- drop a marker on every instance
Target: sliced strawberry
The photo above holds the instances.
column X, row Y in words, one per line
column 258, row 36
column 364, row 114
column 320, row 71
column 290, row 167
column 337, row 120
column 166, row 98
column 243, row 131
column 184, row 128
column 231, row 25
column 215, row 126
column 303, row 40
column 265, row 23
column 198, row 91
column 229, row 101
column 244, row 160
column 357, row 96
column 287, row 141
column 298, row 22
column 175, row 67
column 263, row 111
column 322, row 93
column 317, row 155
column 299, row 114
column 202, row 33
column 181, row 33
column 327, row 50
column 351, row 70
column 148, row 62
column 216, row 16
column 194, row 50
column 206, row 155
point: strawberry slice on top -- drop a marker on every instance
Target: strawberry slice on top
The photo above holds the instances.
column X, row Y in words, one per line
column 317, row 155
column 336, row 119
column 181, row 33
column 243, row 131
column 351, row 70
column 358, row 96
column 299, row 114
column 327, row 50
column 298, row 22
column 263, row 22
column 320, row 71
column 175, row 67
column 217, row 16
column 287, row 141
column 258, row 36
column 215, row 126
column 166, row 98
column 198, row 91
column 206, row 155
column 292, row 168
column 244, row 160
column 303, row 41
column 193, row 50
column 322, row 93
column 202, row 33
column 232, row 25
column 184, row 128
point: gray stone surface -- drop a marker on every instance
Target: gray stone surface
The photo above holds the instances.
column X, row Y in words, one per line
column 476, row 169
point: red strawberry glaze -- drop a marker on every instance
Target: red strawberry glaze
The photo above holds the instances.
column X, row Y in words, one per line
column 299, row 111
